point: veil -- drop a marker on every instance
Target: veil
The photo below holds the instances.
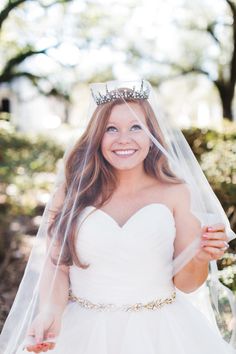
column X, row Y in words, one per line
column 85, row 179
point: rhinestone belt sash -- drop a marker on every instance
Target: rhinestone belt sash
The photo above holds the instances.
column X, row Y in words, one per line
column 152, row 305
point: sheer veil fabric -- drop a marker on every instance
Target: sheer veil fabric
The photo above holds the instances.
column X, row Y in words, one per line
column 75, row 189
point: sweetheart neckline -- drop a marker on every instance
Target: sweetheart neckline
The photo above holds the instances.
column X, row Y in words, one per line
column 121, row 227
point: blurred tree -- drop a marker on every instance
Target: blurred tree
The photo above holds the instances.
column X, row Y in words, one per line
column 209, row 47
column 157, row 40
column 225, row 78
column 11, row 68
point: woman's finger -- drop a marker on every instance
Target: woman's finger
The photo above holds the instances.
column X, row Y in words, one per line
column 218, row 244
column 38, row 348
column 50, row 335
column 33, row 348
column 214, row 252
column 39, row 333
column 215, row 235
column 216, row 227
column 45, row 347
column 31, row 331
column 52, row 345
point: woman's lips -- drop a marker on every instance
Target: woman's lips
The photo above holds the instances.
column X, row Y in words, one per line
column 124, row 153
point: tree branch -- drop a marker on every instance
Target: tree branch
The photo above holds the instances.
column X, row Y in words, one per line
column 16, row 75
column 45, row 6
column 232, row 6
column 8, row 70
column 8, row 8
column 210, row 28
column 11, row 5
column 20, row 57
column 184, row 72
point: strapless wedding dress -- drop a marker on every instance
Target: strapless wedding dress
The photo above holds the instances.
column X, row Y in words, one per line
column 131, row 264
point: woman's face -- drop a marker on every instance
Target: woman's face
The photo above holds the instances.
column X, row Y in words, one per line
column 125, row 145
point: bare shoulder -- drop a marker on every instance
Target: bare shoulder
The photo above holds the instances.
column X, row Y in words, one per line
column 175, row 196
column 178, row 194
column 180, row 189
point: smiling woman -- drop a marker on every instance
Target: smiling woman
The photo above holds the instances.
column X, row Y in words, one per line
column 132, row 227
column 125, row 138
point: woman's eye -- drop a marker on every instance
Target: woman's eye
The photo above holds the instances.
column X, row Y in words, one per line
column 111, row 129
column 136, row 126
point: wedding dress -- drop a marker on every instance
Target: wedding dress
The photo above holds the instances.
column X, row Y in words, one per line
column 131, row 264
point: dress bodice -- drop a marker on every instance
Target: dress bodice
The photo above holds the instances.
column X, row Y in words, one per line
column 128, row 263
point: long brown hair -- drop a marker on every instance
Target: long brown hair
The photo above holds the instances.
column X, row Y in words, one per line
column 91, row 180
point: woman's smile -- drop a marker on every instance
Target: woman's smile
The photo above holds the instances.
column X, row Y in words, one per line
column 124, row 153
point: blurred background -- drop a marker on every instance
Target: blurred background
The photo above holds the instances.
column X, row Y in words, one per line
column 51, row 49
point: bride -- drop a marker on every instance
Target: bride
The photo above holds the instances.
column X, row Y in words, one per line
column 117, row 223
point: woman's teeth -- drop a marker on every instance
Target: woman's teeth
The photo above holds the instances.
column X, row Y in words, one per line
column 124, row 152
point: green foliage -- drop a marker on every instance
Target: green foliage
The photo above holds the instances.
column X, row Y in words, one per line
column 228, row 270
column 21, row 155
column 27, row 166
column 216, row 153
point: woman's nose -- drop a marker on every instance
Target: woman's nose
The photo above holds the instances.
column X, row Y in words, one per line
column 124, row 136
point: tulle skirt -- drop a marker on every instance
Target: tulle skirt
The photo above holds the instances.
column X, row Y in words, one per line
column 176, row 328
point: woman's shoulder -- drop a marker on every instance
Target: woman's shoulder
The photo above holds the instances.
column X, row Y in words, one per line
column 178, row 194
column 171, row 194
column 181, row 189
column 179, row 197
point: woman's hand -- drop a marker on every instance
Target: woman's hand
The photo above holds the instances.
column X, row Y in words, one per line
column 44, row 328
column 213, row 243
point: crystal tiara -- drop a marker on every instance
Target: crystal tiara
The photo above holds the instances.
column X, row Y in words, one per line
column 141, row 94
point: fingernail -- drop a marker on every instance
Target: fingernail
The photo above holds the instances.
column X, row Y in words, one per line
column 205, row 235
column 210, row 228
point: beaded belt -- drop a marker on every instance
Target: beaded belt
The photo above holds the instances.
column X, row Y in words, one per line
column 153, row 305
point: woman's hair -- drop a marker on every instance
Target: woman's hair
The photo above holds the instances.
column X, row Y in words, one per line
column 91, row 180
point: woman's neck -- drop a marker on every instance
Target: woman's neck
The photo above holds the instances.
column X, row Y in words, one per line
column 131, row 181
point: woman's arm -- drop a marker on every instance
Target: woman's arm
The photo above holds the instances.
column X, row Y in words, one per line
column 188, row 227
column 55, row 278
column 47, row 324
column 53, row 288
column 191, row 276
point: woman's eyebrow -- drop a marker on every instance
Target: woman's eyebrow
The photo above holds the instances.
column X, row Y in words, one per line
column 136, row 121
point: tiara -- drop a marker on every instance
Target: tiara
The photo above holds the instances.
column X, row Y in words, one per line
column 141, row 94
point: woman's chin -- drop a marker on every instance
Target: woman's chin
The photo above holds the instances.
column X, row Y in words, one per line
column 125, row 166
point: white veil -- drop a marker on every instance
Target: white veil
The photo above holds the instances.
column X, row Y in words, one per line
column 79, row 179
